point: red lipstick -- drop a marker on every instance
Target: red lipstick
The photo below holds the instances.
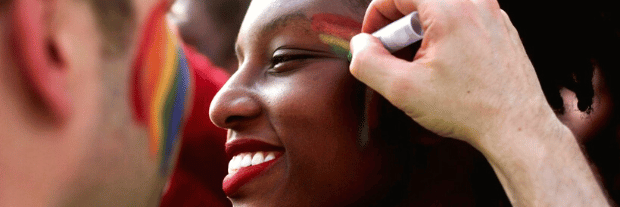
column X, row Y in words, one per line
column 237, row 146
column 233, row 182
column 240, row 176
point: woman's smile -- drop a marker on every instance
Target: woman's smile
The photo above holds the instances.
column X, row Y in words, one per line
column 249, row 159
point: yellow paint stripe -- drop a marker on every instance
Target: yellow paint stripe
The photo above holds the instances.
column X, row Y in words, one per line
column 163, row 85
column 333, row 40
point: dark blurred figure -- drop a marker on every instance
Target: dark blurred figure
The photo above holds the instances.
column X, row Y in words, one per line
column 211, row 26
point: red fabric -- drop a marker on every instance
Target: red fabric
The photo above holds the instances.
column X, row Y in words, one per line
column 202, row 165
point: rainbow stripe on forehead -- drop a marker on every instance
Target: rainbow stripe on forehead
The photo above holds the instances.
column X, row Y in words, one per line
column 336, row 31
column 161, row 87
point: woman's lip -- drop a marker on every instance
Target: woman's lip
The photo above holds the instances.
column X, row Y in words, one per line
column 237, row 146
column 232, row 182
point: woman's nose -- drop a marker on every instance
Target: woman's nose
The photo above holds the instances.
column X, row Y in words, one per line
column 233, row 106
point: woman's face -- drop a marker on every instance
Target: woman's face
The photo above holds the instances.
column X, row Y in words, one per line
column 293, row 111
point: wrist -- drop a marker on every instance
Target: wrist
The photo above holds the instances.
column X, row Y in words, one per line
column 543, row 165
column 525, row 136
column 523, row 149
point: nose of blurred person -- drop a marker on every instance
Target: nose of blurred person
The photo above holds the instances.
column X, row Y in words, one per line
column 234, row 105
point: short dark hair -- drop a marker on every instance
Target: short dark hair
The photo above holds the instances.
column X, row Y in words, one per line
column 116, row 18
column 4, row 2
column 358, row 6
column 565, row 42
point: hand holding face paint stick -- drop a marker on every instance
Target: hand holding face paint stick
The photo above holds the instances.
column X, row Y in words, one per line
column 472, row 80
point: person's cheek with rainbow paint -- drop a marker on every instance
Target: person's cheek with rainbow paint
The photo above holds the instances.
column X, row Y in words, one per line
column 162, row 87
column 336, row 31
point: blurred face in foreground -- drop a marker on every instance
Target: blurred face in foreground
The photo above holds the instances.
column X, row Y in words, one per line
column 68, row 130
column 293, row 112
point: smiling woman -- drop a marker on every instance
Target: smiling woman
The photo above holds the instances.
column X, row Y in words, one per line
column 297, row 119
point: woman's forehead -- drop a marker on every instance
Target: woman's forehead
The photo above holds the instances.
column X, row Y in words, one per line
column 263, row 15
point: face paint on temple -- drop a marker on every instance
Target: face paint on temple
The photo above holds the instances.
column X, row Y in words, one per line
column 336, row 31
column 162, row 87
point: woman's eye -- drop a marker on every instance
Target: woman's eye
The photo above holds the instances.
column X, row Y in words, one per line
column 282, row 63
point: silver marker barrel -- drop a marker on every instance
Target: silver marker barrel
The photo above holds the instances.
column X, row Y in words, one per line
column 401, row 33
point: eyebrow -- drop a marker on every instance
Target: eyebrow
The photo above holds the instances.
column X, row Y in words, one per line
column 284, row 21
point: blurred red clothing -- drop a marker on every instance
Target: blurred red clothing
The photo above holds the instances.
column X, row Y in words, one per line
column 202, row 165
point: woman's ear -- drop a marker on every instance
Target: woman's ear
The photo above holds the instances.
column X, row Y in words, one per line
column 40, row 58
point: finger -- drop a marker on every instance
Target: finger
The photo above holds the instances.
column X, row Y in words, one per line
column 375, row 20
column 487, row 5
column 489, row 10
column 376, row 67
column 382, row 12
column 512, row 31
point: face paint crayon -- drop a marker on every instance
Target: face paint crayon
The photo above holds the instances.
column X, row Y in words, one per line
column 401, row 33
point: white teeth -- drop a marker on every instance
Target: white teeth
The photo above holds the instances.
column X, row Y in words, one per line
column 270, row 156
column 248, row 159
column 258, row 158
column 237, row 163
column 230, row 165
column 234, row 164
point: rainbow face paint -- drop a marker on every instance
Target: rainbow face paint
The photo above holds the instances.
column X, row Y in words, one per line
column 162, row 87
column 336, row 31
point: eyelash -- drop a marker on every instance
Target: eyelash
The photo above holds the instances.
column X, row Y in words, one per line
column 286, row 58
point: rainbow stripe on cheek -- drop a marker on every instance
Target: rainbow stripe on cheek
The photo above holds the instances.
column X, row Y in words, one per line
column 336, row 31
column 162, row 88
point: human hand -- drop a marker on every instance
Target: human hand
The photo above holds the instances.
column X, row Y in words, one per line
column 471, row 78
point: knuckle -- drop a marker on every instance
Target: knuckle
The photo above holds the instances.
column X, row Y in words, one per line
column 354, row 67
column 492, row 8
column 358, row 63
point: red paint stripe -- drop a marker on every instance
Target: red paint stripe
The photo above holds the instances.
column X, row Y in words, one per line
column 154, row 64
column 337, row 25
column 138, row 70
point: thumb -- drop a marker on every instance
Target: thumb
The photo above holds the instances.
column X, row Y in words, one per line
column 373, row 65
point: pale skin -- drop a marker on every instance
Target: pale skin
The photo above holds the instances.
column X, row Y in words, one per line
column 78, row 145
column 472, row 80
